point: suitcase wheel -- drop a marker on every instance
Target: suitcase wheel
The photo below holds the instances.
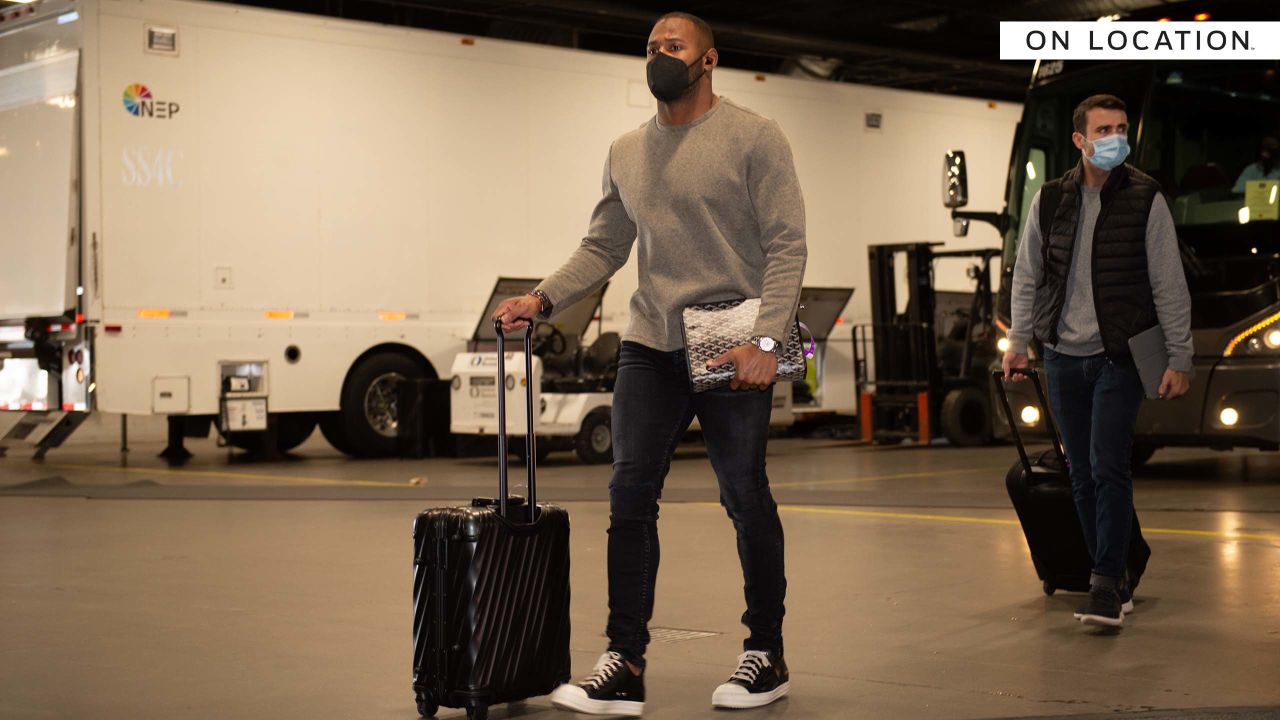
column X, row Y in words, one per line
column 426, row 706
column 1049, row 589
column 478, row 712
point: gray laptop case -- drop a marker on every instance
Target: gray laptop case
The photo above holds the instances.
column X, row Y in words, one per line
column 1151, row 357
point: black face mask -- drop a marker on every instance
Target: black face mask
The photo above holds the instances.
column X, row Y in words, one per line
column 669, row 77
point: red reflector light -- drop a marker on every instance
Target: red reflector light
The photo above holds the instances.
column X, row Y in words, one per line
column 68, row 407
column 79, row 317
column 113, row 328
column 24, row 406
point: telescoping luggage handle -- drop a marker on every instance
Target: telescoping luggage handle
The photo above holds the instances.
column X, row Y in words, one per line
column 998, row 376
column 530, row 450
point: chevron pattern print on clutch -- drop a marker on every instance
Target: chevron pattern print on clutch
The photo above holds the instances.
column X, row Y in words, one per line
column 712, row 329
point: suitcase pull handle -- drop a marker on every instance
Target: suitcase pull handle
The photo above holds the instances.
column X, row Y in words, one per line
column 530, row 448
column 998, row 377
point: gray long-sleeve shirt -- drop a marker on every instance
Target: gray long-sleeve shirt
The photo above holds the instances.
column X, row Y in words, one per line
column 717, row 210
column 1078, row 331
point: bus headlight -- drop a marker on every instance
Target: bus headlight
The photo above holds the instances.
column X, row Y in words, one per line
column 1263, row 337
column 1229, row 417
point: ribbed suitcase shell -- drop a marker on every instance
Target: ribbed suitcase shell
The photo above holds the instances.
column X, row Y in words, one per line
column 491, row 590
column 491, row 605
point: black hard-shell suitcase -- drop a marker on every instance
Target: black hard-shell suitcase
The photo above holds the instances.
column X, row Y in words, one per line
column 491, row 591
column 1040, row 490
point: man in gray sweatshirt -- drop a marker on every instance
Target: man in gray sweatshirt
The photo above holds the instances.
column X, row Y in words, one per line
column 707, row 192
column 1104, row 268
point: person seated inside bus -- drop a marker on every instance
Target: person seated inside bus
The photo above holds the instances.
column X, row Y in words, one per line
column 1267, row 167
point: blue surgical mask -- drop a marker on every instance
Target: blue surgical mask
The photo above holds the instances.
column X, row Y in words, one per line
column 1109, row 152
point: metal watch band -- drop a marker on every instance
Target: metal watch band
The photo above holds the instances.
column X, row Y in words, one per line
column 544, row 302
column 758, row 339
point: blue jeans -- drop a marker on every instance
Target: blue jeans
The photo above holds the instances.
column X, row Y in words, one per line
column 1096, row 401
column 652, row 408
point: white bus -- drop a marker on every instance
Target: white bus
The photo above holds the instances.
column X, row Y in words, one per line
column 211, row 211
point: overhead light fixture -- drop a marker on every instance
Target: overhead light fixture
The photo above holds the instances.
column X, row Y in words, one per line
column 1201, row 17
column 1030, row 415
column 1003, row 344
column 1109, row 18
column 1243, row 215
column 1164, row 19
column 1031, row 171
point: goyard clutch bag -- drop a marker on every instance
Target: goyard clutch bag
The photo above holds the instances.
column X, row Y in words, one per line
column 712, row 329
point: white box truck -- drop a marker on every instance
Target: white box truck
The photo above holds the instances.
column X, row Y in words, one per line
column 217, row 212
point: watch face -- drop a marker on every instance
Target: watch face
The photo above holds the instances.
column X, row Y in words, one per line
column 767, row 344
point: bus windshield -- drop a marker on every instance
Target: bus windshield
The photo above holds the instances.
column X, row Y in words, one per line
column 1199, row 129
column 1203, row 138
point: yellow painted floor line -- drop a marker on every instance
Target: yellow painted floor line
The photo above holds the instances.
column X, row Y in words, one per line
column 226, row 475
column 1218, row 534
column 872, row 478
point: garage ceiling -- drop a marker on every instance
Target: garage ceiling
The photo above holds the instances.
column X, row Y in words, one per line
column 944, row 46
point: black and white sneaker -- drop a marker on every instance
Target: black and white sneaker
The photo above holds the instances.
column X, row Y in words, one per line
column 1126, row 603
column 1126, row 600
column 1104, row 607
column 610, row 689
column 759, row 680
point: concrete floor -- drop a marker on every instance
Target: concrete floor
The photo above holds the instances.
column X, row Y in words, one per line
column 231, row 589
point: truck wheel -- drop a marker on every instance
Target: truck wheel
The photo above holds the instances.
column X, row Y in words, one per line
column 333, row 429
column 966, row 417
column 369, row 406
column 594, row 443
column 292, row 429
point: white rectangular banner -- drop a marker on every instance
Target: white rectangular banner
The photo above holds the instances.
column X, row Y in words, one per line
column 1139, row 40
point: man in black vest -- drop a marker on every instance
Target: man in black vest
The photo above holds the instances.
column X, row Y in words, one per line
column 1098, row 264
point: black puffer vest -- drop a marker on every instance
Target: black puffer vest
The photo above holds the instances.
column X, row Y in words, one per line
column 1121, row 285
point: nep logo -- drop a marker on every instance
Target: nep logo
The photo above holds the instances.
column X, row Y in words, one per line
column 139, row 102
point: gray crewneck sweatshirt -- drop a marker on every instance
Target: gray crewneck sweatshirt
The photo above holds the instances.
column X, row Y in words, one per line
column 1078, row 331
column 716, row 209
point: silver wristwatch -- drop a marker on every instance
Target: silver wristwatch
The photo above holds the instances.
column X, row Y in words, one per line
column 765, row 343
column 544, row 302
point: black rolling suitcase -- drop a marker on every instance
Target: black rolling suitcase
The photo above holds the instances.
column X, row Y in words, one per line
column 491, row 591
column 1040, row 490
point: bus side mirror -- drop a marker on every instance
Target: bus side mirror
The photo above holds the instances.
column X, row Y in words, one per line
column 955, row 181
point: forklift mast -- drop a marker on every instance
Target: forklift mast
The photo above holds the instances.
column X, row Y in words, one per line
column 912, row 388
